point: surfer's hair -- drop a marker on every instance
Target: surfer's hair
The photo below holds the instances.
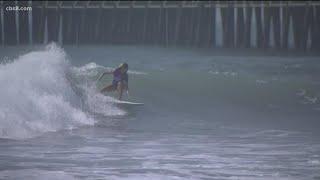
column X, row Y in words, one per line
column 125, row 65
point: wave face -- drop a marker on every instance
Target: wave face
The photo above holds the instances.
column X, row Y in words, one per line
column 38, row 94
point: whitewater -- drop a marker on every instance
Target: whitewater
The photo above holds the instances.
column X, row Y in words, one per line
column 205, row 115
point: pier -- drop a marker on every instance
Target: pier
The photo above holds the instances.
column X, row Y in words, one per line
column 208, row 24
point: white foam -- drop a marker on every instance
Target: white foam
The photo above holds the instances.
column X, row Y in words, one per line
column 90, row 69
column 314, row 162
column 259, row 81
column 99, row 103
column 35, row 96
column 137, row 72
column 225, row 73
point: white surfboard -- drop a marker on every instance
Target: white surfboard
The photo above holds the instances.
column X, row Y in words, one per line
column 128, row 102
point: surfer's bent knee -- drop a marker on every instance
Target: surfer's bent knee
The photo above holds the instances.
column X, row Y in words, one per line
column 108, row 88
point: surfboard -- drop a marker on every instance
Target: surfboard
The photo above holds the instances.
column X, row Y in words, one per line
column 128, row 102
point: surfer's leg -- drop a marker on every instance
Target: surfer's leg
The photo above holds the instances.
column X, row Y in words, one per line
column 120, row 89
column 124, row 85
column 108, row 88
column 111, row 87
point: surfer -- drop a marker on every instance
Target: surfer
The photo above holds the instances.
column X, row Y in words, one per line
column 120, row 80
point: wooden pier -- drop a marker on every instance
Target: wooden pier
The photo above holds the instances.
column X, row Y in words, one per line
column 246, row 24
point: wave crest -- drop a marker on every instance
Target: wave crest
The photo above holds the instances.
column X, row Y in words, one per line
column 36, row 96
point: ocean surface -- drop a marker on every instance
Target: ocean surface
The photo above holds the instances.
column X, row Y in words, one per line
column 206, row 115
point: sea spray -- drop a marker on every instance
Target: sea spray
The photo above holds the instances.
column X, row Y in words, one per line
column 36, row 97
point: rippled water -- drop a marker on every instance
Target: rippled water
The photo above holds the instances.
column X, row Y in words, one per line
column 104, row 153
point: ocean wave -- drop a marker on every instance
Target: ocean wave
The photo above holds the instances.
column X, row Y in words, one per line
column 39, row 94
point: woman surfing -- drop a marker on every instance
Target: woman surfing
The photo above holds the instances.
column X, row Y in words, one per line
column 120, row 80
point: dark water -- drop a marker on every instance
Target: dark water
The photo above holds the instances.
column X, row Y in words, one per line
column 205, row 116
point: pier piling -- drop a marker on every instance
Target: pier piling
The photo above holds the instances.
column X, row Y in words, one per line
column 267, row 24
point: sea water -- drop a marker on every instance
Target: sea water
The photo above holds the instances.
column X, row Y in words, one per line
column 206, row 115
